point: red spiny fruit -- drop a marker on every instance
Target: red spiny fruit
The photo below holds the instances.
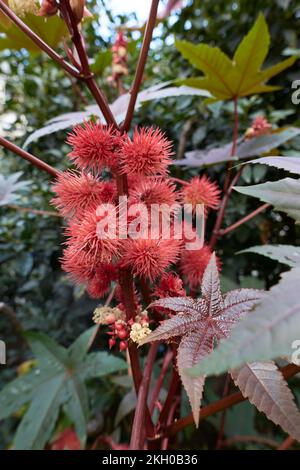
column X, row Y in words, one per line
column 101, row 281
column 260, row 126
column 149, row 258
column 77, row 264
column 154, row 191
column 201, row 190
column 84, row 236
column 147, row 154
column 78, row 192
column 193, row 264
column 94, row 146
column 170, row 285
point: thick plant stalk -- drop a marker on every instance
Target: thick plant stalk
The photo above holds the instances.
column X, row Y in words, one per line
column 138, row 429
column 86, row 75
column 30, row 158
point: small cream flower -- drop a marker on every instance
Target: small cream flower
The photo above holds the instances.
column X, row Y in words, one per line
column 139, row 332
column 22, row 7
column 107, row 315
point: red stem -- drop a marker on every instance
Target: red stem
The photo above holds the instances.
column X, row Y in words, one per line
column 174, row 385
column 30, row 158
column 223, row 417
column 221, row 213
column 287, row 443
column 165, row 442
column 33, row 211
column 244, row 219
column 288, row 371
column 138, row 429
column 141, row 64
column 86, row 75
column 227, row 185
column 235, row 127
column 165, row 365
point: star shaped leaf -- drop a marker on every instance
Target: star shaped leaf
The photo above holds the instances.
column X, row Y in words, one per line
column 199, row 323
column 241, row 76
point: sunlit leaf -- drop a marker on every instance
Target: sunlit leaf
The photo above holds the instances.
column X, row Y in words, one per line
column 241, row 76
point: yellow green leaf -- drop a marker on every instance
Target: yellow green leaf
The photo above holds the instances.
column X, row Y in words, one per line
column 242, row 76
column 277, row 68
column 212, row 61
column 252, row 51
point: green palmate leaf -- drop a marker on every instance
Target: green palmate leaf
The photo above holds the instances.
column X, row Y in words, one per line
column 266, row 333
column 253, row 49
column 79, row 348
column 20, row 391
column 39, row 420
column 242, row 76
column 127, row 405
column 100, row 364
column 291, row 164
column 286, row 254
column 284, row 195
column 214, row 63
column 75, row 403
column 51, row 30
column 57, row 382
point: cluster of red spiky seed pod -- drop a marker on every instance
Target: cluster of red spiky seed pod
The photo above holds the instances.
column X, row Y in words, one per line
column 101, row 153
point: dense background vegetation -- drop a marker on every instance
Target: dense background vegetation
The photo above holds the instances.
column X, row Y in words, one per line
column 39, row 295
